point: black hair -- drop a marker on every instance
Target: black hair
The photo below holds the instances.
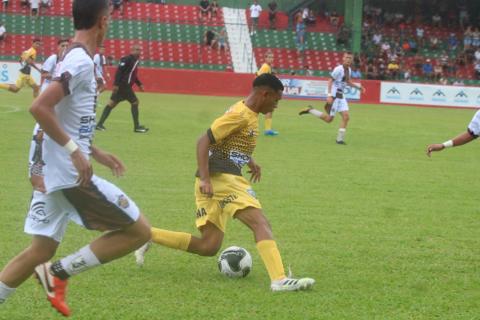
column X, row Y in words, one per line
column 349, row 52
column 36, row 40
column 86, row 12
column 268, row 80
column 59, row 42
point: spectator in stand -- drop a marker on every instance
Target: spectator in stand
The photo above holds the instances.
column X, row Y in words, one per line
column 413, row 45
column 437, row 72
column 222, row 40
column 476, row 38
column 377, row 38
column 427, row 69
column 24, row 4
column 461, row 59
column 420, row 32
column 385, row 48
column 371, row 71
column 34, row 6
column 434, row 42
column 204, row 8
column 393, row 69
column 214, row 8
column 382, row 69
column 311, row 19
column 443, row 81
column 299, row 32
column 477, row 70
column 305, row 14
column 255, row 10
column 5, row 5
column 308, row 71
column 463, row 14
column 343, row 35
column 467, row 38
column 117, row 5
column 45, row 4
column 272, row 14
column 476, row 55
column 407, row 76
column 436, row 20
column 3, row 32
column 356, row 73
column 210, row 39
column 334, row 18
column 452, row 42
column 444, row 58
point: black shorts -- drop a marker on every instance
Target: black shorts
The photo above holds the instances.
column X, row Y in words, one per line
column 124, row 93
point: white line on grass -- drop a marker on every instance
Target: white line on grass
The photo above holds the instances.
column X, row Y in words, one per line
column 9, row 109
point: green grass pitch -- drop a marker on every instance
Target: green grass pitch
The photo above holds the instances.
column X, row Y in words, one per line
column 387, row 232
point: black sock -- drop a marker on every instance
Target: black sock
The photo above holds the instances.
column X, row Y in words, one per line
column 105, row 114
column 57, row 270
column 135, row 115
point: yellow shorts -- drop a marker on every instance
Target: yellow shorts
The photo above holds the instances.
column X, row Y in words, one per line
column 25, row 79
column 230, row 194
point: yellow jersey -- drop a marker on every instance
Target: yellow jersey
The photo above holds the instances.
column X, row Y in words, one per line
column 265, row 68
column 233, row 138
column 26, row 55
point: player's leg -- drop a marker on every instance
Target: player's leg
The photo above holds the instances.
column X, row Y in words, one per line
column 134, row 104
column 343, row 110
column 268, row 250
column 32, row 84
column 114, row 100
column 23, row 265
column 207, row 244
column 268, row 125
column 327, row 117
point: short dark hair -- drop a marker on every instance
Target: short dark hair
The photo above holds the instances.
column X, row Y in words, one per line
column 59, row 42
column 86, row 12
column 268, row 80
column 36, row 40
column 349, row 52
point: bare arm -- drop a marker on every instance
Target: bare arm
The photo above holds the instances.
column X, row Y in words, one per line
column 329, row 91
column 255, row 171
column 202, row 161
column 461, row 139
column 31, row 63
column 359, row 87
column 108, row 160
column 43, row 110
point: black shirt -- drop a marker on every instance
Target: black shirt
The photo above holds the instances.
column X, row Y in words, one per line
column 127, row 72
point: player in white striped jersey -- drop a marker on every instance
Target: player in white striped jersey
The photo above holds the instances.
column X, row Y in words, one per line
column 100, row 62
column 336, row 101
column 472, row 133
column 66, row 112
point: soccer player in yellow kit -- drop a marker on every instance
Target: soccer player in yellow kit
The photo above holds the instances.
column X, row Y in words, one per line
column 27, row 62
column 222, row 192
column 267, row 68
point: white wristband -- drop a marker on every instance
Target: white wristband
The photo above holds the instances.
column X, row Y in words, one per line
column 70, row 147
column 329, row 95
column 448, row 144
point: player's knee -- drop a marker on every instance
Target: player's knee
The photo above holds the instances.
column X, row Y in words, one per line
column 14, row 89
column 328, row 119
column 209, row 248
column 346, row 117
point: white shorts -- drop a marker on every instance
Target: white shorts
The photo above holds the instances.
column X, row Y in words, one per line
column 101, row 206
column 339, row 105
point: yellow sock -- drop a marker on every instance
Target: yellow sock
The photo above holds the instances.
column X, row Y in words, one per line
column 171, row 239
column 268, row 123
column 4, row 86
column 271, row 258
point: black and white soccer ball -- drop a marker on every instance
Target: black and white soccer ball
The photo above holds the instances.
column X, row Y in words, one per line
column 235, row 262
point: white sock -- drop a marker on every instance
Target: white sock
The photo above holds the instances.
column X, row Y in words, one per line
column 341, row 134
column 316, row 113
column 80, row 261
column 5, row 292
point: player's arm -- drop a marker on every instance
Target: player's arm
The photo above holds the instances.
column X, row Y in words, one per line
column 31, row 63
column 43, row 110
column 139, row 84
column 329, row 91
column 203, row 145
column 461, row 139
column 359, row 87
column 108, row 160
column 255, row 171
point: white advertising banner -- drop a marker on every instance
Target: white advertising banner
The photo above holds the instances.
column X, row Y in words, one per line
column 312, row 89
column 9, row 72
column 429, row 94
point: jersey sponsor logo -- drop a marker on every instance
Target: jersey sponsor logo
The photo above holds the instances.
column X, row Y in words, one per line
column 87, row 127
column 239, row 158
column 228, row 199
column 201, row 213
column 37, row 213
column 122, row 201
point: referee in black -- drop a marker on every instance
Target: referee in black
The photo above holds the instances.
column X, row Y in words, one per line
column 125, row 78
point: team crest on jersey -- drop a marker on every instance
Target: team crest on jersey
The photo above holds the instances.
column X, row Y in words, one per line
column 123, row 201
column 252, row 193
